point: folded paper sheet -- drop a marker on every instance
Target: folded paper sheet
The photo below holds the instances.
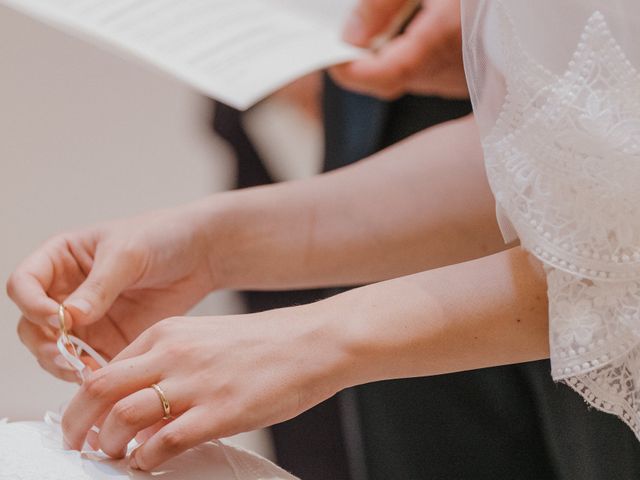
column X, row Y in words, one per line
column 237, row 52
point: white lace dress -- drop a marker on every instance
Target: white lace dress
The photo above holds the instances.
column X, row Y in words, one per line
column 557, row 96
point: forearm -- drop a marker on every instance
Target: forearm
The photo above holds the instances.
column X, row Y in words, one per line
column 419, row 205
column 486, row 312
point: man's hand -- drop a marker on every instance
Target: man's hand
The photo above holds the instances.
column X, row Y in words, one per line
column 426, row 58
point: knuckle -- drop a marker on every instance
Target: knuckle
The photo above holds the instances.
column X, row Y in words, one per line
column 97, row 289
column 126, row 413
column 130, row 252
column 155, row 332
column 96, row 386
column 11, row 286
column 174, row 350
column 173, row 440
column 145, row 339
column 163, row 328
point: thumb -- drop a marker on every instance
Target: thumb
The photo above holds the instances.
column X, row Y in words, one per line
column 372, row 18
column 94, row 297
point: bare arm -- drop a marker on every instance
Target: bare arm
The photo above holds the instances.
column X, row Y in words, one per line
column 422, row 204
column 482, row 313
column 232, row 376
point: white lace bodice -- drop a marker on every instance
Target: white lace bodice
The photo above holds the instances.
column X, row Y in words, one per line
column 563, row 159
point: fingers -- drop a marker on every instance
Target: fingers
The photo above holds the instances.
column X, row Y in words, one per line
column 28, row 292
column 101, row 390
column 370, row 19
column 137, row 412
column 178, row 436
column 112, row 272
column 139, row 346
column 45, row 278
column 387, row 72
column 147, row 433
column 42, row 345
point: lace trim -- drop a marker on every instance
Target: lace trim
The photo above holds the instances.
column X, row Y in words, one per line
column 563, row 161
column 592, row 116
column 621, row 376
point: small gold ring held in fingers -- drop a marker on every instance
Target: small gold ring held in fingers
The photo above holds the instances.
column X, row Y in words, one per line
column 166, row 406
column 63, row 329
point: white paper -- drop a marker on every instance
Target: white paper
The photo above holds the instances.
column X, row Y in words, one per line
column 236, row 51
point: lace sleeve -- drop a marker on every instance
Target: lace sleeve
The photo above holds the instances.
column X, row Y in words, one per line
column 557, row 98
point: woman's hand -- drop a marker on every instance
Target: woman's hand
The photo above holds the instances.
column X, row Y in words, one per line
column 221, row 375
column 116, row 279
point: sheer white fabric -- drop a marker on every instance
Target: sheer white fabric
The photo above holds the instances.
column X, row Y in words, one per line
column 33, row 451
column 557, row 96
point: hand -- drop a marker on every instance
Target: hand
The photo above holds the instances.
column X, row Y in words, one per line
column 116, row 280
column 221, row 376
column 425, row 59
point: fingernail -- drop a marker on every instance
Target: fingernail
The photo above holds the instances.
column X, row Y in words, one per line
column 355, row 30
column 80, row 304
column 62, row 363
column 54, row 321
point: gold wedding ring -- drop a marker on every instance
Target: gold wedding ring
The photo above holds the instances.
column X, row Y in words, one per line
column 63, row 329
column 166, row 406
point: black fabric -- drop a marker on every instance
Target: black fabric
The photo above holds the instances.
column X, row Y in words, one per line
column 250, row 170
column 501, row 423
column 357, row 126
column 474, row 425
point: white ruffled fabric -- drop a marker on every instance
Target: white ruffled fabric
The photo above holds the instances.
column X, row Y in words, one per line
column 562, row 154
column 33, row 451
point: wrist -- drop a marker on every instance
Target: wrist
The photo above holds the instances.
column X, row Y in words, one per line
column 327, row 341
column 353, row 323
column 390, row 328
column 210, row 220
